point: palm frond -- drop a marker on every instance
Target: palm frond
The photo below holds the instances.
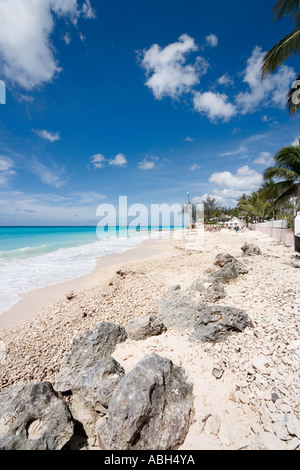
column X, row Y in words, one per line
column 285, row 8
column 287, row 47
column 289, row 158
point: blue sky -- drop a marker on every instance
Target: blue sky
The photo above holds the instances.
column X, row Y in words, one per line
column 137, row 98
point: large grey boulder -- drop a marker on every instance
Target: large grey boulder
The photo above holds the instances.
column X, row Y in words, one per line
column 228, row 272
column 203, row 322
column 249, row 249
column 151, row 408
column 92, row 391
column 210, row 290
column 216, row 323
column 224, row 258
column 142, row 328
column 86, row 351
column 33, row 417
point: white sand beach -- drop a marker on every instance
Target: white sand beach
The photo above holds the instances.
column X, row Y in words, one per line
column 254, row 405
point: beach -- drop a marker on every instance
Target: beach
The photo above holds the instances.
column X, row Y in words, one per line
column 255, row 401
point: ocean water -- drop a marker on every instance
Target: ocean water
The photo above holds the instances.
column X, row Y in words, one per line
column 34, row 257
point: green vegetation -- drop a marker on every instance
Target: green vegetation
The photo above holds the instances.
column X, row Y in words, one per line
column 286, row 47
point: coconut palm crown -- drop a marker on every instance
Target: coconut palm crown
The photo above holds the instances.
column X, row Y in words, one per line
column 287, row 171
column 287, row 47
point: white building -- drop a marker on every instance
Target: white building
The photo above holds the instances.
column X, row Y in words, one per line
column 235, row 222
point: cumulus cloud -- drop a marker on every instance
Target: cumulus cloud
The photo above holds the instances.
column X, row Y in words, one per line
column 149, row 163
column 265, row 158
column 27, row 55
column 167, row 71
column 99, row 161
column 245, row 179
column 214, row 105
column 119, row 160
column 268, row 92
column 212, row 40
column 225, row 80
column 43, row 134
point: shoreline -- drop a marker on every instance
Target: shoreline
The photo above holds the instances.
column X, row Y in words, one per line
column 35, row 301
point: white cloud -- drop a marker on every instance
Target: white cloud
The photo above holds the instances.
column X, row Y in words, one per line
column 26, row 52
column 189, row 139
column 51, row 176
column 214, row 105
column 119, row 160
column 6, row 170
column 98, row 161
column 229, row 197
column 268, row 92
column 67, row 38
column 149, row 163
column 212, row 40
column 88, row 11
column 167, row 71
column 51, row 136
column 245, row 179
column 265, row 158
column 295, row 143
column 241, row 149
column 194, row 167
column 225, row 80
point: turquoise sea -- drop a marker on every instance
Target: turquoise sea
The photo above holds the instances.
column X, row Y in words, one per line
column 34, row 257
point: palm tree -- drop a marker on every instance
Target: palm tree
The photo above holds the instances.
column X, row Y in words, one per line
column 255, row 206
column 287, row 47
column 287, row 169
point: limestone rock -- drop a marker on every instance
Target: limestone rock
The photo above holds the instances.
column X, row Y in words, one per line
column 222, row 259
column 92, row 391
column 142, row 328
column 210, row 290
column 250, row 249
column 269, row 441
column 203, row 322
column 229, row 272
column 150, row 409
column 293, row 424
column 33, row 417
column 86, row 351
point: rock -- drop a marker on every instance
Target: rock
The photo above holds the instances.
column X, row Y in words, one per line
column 222, row 259
column 280, row 430
column 33, row 417
column 269, row 441
column 86, row 351
column 229, row 272
column 178, row 311
column 250, row 249
column 293, row 444
column 142, row 328
column 224, row 434
column 151, row 408
column 202, row 321
column 92, row 391
column 215, row 424
column 210, row 290
column 293, row 424
column 260, row 363
column 2, row 352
